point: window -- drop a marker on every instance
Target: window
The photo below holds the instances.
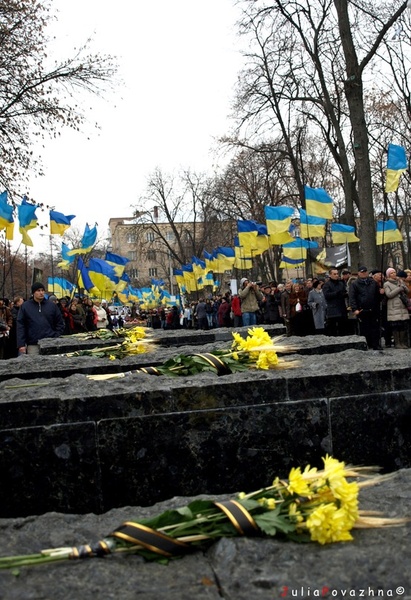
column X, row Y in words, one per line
column 152, row 272
column 132, row 254
column 150, row 236
column 133, row 273
column 151, row 255
column 131, row 238
column 170, row 236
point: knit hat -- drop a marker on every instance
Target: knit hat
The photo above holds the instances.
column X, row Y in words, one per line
column 402, row 274
column 53, row 298
column 389, row 272
column 37, row 285
column 243, row 280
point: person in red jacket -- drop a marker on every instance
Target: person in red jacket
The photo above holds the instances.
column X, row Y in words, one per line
column 236, row 310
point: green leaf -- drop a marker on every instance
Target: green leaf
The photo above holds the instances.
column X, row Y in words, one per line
column 271, row 523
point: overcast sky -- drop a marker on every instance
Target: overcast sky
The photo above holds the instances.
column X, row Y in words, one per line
column 179, row 62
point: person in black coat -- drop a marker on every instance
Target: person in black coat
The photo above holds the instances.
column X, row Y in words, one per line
column 335, row 294
column 365, row 298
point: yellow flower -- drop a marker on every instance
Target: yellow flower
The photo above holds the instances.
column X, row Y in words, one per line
column 294, row 513
column 297, row 484
column 262, row 361
column 235, row 356
column 112, row 357
column 329, row 524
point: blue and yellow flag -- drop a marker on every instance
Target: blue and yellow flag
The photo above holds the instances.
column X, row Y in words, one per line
column 311, row 226
column 209, row 260
column 241, row 262
column 67, row 259
column 87, row 242
column 278, row 220
column 6, row 216
column 293, row 263
column 342, row 234
column 59, row 223
column 60, row 286
column 247, row 233
column 388, row 232
column 83, row 276
column 396, row 165
column 318, row 203
column 190, row 281
column 102, row 274
column 27, row 220
column 225, row 258
column 117, row 262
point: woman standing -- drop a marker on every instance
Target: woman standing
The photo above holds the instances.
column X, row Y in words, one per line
column 318, row 305
column 397, row 311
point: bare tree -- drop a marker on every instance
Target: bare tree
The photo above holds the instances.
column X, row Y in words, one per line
column 308, row 55
column 38, row 98
column 177, row 219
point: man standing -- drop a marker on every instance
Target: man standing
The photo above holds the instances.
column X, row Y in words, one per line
column 37, row 319
column 250, row 297
column 335, row 294
column 365, row 296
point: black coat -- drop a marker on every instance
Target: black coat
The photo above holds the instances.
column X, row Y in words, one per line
column 365, row 294
column 335, row 294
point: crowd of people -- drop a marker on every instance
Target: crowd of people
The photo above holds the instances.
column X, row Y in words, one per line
column 373, row 304
column 368, row 303
column 24, row 323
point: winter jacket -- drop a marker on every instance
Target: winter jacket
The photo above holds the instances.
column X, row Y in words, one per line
column 334, row 291
column 318, row 305
column 38, row 320
column 365, row 295
column 396, row 310
column 249, row 299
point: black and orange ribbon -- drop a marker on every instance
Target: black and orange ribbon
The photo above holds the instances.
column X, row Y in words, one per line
column 215, row 362
column 159, row 543
column 239, row 517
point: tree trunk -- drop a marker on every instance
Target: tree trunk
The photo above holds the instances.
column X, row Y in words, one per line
column 354, row 93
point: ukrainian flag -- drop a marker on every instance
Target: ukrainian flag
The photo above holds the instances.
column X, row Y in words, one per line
column 294, row 263
column 60, row 286
column 117, row 262
column 318, row 203
column 189, row 278
column 67, row 259
column 242, row 262
column 247, row 235
column 388, row 232
column 27, row 220
column 396, row 165
column 6, row 216
column 342, row 234
column 209, row 260
column 87, row 242
column 59, row 223
column 83, row 276
column 102, row 274
column 225, row 258
column 278, row 219
column 311, row 226
column 179, row 275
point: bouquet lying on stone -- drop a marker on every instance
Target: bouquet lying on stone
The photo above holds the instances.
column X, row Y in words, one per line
column 258, row 350
column 311, row 505
column 134, row 341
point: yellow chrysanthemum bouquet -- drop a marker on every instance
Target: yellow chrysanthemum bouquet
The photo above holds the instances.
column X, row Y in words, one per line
column 312, row 505
column 258, row 350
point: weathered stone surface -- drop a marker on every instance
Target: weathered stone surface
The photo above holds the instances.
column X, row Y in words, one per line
column 75, row 445
column 375, row 564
